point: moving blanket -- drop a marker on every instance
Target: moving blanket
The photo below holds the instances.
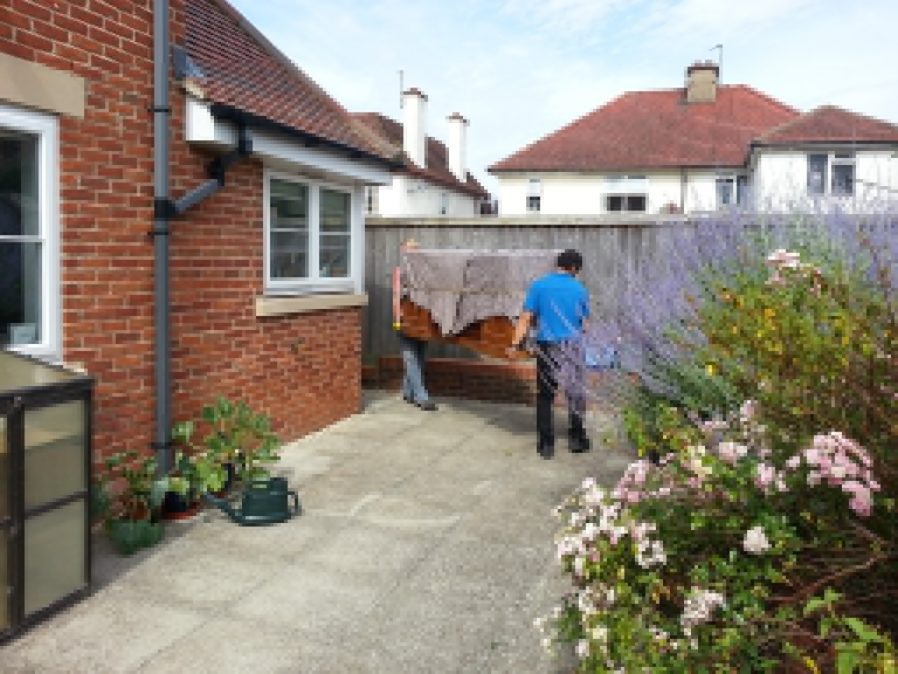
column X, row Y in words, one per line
column 460, row 287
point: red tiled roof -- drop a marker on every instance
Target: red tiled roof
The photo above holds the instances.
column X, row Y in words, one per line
column 389, row 132
column 656, row 129
column 243, row 70
column 830, row 124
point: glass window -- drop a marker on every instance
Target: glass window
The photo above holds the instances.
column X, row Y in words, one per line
column 817, row 173
column 22, row 247
column 336, row 232
column 843, row 175
column 533, row 204
column 634, row 203
column 725, row 190
column 741, row 190
column 289, row 229
column 310, row 235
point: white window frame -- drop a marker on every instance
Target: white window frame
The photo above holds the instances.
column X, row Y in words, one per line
column 314, row 283
column 624, row 197
column 46, row 128
column 833, row 158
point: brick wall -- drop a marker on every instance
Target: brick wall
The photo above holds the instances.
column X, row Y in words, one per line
column 495, row 382
column 302, row 370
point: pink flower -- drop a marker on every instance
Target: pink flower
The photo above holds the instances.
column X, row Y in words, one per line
column 861, row 498
column 731, row 452
column 765, row 474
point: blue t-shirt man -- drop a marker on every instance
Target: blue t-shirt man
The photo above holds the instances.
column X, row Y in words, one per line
column 558, row 304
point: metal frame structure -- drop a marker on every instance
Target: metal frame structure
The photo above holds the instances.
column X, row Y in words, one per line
column 14, row 404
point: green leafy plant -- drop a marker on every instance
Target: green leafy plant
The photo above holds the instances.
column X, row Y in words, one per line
column 128, row 497
column 235, row 435
column 765, row 535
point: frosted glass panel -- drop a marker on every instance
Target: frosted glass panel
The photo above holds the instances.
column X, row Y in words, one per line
column 54, row 555
column 16, row 372
column 54, row 452
column 4, row 581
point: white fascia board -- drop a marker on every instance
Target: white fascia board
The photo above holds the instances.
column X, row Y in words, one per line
column 201, row 128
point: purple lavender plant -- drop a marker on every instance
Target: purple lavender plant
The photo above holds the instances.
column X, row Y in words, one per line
column 646, row 339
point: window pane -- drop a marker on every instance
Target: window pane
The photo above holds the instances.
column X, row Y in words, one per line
column 54, row 555
column 289, row 254
column 54, row 452
column 20, row 293
column 334, row 256
column 18, row 184
column 724, row 191
column 615, row 203
column 843, row 180
column 533, row 204
column 289, row 225
column 742, row 190
column 817, row 173
column 636, row 202
column 334, row 211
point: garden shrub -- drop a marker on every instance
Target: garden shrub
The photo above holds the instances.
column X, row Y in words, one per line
column 763, row 537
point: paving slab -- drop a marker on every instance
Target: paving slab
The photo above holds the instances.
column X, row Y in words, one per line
column 425, row 545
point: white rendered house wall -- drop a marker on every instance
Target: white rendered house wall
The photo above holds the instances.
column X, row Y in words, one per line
column 780, row 181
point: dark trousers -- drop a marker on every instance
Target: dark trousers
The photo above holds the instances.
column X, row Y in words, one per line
column 559, row 363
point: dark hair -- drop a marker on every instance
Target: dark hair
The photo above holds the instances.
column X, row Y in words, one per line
column 569, row 259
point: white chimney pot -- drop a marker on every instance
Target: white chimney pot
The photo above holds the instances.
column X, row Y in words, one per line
column 414, row 122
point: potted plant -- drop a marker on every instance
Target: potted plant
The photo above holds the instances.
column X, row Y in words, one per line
column 240, row 438
column 131, row 496
column 238, row 448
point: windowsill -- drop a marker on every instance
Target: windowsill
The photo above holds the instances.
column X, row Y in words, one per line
column 275, row 305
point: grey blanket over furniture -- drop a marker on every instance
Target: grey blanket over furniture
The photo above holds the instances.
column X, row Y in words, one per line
column 460, row 287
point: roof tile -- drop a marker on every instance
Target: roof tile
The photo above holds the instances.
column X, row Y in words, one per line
column 656, row 129
column 830, row 124
column 243, row 70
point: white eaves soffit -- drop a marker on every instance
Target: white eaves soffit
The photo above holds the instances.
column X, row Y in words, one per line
column 203, row 129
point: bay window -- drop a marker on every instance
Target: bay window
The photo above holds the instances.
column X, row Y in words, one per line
column 29, row 258
column 309, row 235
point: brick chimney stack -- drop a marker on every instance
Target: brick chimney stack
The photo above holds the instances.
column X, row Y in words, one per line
column 701, row 82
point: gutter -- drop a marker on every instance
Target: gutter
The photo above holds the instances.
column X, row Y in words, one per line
column 161, row 116
column 245, row 119
column 164, row 210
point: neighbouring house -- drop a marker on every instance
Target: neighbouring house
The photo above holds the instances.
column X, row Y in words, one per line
column 227, row 260
column 702, row 147
column 433, row 179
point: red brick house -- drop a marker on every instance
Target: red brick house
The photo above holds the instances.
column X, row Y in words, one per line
column 262, row 216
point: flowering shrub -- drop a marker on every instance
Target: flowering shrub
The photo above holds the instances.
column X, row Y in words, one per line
column 762, row 537
column 699, row 563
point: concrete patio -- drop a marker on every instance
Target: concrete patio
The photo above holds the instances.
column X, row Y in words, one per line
column 425, row 546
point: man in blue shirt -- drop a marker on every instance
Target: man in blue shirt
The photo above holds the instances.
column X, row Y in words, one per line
column 558, row 304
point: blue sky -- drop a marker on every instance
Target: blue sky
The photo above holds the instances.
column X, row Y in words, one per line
column 519, row 69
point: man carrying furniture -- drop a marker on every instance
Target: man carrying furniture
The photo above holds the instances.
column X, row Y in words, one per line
column 559, row 305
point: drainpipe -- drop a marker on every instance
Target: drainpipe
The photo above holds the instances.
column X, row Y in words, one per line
column 162, row 215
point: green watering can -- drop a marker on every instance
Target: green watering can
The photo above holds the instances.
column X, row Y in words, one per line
column 263, row 502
